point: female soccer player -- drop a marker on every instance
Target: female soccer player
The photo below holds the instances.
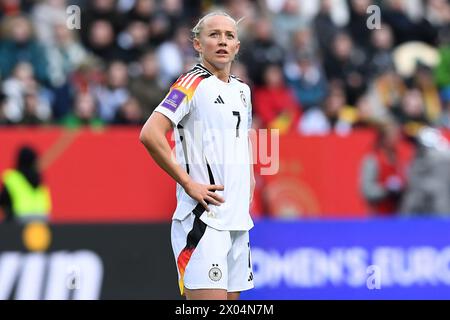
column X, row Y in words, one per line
column 211, row 112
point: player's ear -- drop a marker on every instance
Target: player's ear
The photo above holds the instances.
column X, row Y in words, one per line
column 197, row 45
column 238, row 46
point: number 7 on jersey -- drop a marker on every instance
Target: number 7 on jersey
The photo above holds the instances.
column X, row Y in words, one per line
column 238, row 115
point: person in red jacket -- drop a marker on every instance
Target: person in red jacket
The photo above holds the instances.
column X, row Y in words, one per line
column 274, row 103
column 383, row 178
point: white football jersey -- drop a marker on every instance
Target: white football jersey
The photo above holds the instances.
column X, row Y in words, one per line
column 211, row 120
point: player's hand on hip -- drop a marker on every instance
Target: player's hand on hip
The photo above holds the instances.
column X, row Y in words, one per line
column 204, row 194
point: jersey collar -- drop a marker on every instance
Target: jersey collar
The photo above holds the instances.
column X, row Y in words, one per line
column 204, row 68
column 210, row 73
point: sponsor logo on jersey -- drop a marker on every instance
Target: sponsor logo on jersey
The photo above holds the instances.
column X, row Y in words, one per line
column 173, row 100
column 219, row 100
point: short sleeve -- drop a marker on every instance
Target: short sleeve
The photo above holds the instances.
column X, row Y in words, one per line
column 174, row 106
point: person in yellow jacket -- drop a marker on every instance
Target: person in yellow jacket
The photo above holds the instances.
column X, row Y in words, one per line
column 23, row 196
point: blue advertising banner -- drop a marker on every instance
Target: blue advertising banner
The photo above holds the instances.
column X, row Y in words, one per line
column 366, row 259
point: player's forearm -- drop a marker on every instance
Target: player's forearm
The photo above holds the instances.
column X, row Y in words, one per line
column 157, row 146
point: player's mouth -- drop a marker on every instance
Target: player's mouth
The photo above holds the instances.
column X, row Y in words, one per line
column 221, row 52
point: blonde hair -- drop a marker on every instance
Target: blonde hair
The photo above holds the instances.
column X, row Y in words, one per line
column 199, row 26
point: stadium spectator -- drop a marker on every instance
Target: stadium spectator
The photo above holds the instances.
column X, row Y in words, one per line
column 357, row 24
column 172, row 55
column 173, row 10
column 423, row 80
column 386, row 91
column 307, row 79
column 88, row 75
column 27, row 101
column 160, row 29
column 437, row 12
column 166, row 21
column 302, row 42
column 331, row 118
column 364, row 114
column 31, row 106
column 130, row 113
column 65, row 56
column 142, row 10
column 20, row 46
column 262, row 50
column 114, row 93
column 325, row 27
column 147, row 87
column 288, row 21
column 428, row 192
column 45, row 15
column 346, row 64
column 84, row 113
column 23, row 196
column 379, row 50
column 382, row 173
column 404, row 27
column 411, row 113
column 274, row 103
column 133, row 41
column 100, row 10
column 101, row 40
column 247, row 12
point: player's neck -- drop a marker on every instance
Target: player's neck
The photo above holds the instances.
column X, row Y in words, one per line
column 222, row 74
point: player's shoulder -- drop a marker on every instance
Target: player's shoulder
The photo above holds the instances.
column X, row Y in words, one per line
column 235, row 77
column 189, row 81
column 240, row 82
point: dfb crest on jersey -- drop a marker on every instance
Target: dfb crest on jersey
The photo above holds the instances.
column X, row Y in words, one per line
column 244, row 101
column 215, row 274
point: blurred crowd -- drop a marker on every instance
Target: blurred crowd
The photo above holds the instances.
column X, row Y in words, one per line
column 315, row 66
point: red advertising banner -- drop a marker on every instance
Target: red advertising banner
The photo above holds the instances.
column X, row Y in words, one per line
column 319, row 176
column 107, row 176
column 96, row 176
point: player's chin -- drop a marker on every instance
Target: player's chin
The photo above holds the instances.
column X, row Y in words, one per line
column 222, row 61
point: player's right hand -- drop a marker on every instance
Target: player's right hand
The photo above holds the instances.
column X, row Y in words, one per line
column 204, row 194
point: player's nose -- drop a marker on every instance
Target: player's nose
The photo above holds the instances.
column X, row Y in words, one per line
column 222, row 40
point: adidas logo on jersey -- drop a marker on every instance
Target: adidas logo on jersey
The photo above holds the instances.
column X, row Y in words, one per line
column 219, row 100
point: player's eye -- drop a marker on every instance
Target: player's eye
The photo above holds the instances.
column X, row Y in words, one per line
column 213, row 34
column 230, row 36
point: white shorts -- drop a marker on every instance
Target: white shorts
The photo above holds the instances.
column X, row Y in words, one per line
column 211, row 259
